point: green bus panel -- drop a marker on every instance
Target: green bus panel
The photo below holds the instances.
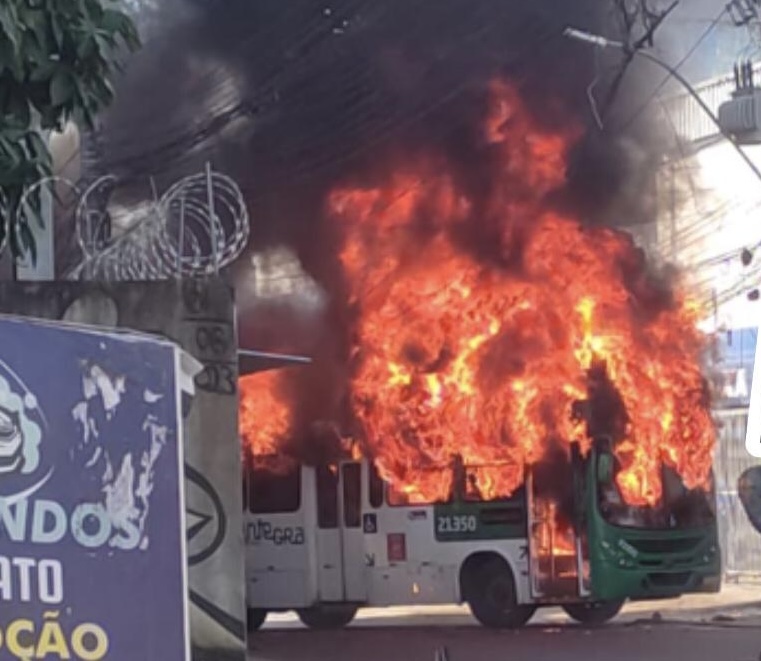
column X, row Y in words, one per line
column 641, row 563
column 463, row 521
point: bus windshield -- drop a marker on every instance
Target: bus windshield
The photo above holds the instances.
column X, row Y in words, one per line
column 679, row 507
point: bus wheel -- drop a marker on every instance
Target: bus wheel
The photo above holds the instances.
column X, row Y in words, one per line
column 492, row 598
column 593, row 612
column 255, row 618
column 327, row 616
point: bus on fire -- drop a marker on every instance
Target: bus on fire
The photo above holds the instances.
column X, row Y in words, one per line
column 328, row 540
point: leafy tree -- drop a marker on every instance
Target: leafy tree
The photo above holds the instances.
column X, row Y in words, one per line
column 56, row 58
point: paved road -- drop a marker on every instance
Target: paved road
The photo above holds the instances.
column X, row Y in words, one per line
column 414, row 635
column 667, row 642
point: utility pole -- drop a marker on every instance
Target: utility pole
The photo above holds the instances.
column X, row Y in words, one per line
column 603, row 42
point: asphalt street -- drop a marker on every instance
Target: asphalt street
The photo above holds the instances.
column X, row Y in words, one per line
column 666, row 641
column 669, row 632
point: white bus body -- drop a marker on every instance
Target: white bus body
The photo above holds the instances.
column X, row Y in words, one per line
column 326, row 541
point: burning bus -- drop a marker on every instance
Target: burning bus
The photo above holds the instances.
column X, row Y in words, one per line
column 329, row 539
column 520, row 417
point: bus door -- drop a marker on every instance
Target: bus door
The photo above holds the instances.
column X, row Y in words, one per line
column 279, row 551
column 555, row 549
column 352, row 536
column 340, row 555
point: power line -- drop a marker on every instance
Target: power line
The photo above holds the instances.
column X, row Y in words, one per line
column 696, row 233
column 173, row 150
column 711, row 27
column 382, row 126
column 652, row 21
column 308, row 38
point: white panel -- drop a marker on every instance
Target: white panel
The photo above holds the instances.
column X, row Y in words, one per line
column 277, row 589
column 330, row 578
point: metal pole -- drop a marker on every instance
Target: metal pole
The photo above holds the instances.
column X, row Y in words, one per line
column 212, row 220
column 602, row 42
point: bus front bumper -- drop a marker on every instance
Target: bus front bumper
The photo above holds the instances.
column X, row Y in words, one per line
column 640, row 583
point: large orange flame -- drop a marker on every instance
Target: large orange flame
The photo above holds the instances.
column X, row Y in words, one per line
column 264, row 420
column 483, row 353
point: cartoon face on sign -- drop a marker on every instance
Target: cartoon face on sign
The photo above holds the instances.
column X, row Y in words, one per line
column 19, row 435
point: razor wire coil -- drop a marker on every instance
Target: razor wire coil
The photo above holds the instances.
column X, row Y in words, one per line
column 197, row 227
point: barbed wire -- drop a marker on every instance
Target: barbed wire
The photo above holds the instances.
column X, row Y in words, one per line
column 196, row 228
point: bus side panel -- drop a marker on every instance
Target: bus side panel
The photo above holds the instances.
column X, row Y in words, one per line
column 464, row 529
column 352, row 535
column 281, row 555
column 408, row 565
column 277, row 561
column 416, row 553
column 395, row 540
column 329, row 556
column 515, row 552
column 512, row 551
column 400, row 570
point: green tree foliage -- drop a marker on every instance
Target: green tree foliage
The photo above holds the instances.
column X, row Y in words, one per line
column 56, row 58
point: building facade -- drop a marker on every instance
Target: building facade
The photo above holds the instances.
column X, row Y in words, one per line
column 708, row 224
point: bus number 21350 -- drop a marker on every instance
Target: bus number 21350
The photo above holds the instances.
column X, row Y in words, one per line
column 456, row 523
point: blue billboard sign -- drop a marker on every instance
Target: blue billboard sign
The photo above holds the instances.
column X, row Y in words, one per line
column 92, row 555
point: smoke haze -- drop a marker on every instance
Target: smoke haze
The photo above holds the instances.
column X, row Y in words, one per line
column 293, row 98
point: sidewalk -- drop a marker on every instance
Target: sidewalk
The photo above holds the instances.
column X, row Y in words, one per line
column 735, row 603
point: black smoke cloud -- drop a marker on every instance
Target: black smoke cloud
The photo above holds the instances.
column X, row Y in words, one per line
column 291, row 98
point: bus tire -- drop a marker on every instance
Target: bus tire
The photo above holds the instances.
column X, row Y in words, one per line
column 333, row 616
column 255, row 618
column 593, row 612
column 492, row 597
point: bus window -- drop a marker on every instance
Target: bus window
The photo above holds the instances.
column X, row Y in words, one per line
column 678, row 507
column 439, row 478
column 270, row 492
column 376, row 487
column 327, row 497
column 482, row 483
column 352, row 474
column 398, row 498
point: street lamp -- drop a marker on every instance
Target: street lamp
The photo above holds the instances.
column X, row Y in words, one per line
column 603, row 42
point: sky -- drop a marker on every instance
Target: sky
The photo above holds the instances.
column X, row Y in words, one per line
column 718, row 51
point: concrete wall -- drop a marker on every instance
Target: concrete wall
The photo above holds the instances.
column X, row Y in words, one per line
column 199, row 315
